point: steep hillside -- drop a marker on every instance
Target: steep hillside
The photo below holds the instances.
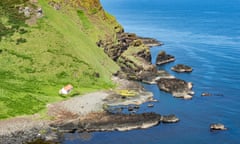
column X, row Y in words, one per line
column 52, row 45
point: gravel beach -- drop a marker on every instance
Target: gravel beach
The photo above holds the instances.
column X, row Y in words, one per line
column 79, row 106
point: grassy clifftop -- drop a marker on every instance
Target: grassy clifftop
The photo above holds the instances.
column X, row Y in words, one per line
column 38, row 58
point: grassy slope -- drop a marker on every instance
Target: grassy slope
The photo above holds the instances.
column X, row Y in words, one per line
column 59, row 50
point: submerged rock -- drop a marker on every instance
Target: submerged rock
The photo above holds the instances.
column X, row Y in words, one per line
column 217, row 126
column 164, row 58
column 177, row 87
column 206, row 94
column 181, row 68
column 150, row 105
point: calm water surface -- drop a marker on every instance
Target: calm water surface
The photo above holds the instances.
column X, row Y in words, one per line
column 204, row 35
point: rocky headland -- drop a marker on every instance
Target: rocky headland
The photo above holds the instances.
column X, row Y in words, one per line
column 132, row 53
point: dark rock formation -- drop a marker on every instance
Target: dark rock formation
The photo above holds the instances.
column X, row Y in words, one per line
column 109, row 122
column 177, row 87
column 132, row 53
column 217, row 126
column 169, row 119
column 181, row 68
column 30, row 136
column 164, row 58
column 125, row 40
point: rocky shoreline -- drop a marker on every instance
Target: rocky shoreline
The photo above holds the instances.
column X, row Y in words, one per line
column 91, row 112
column 22, row 129
column 86, row 113
column 114, row 122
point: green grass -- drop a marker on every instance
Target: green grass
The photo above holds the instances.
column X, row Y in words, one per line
column 84, row 20
column 37, row 61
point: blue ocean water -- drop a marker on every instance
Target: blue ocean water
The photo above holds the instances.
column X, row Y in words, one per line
column 202, row 34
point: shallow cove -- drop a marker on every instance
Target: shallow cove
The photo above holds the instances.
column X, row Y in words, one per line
column 203, row 35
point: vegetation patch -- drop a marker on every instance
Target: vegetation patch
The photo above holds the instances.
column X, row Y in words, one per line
column 84, row 19
column 11, row 20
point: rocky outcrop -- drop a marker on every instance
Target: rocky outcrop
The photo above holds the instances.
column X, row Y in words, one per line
column 181, row 68
column 140, row 97
column 124, row 41
column 169, row 118
column 151, row 77
column 164, row 58
column 23, row 129
column 127, row 93
column 110, row 122
column 132, row 53
column 150, row 42
column 217, row 126
column 177, row 87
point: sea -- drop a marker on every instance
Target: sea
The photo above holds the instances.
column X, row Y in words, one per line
column 202, row 34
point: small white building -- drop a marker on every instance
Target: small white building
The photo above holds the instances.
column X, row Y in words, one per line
column 66, row 89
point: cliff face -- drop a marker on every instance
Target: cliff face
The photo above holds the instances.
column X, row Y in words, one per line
column 46, row 44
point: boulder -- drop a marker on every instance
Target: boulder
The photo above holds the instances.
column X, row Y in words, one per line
column 217, row 126
column 164, row 58
column 169, row 118
column 177, row 87
column 181, row 68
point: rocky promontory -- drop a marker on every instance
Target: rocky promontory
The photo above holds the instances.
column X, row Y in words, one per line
column 113, row 122
column 109, row 122
column 132, row 53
